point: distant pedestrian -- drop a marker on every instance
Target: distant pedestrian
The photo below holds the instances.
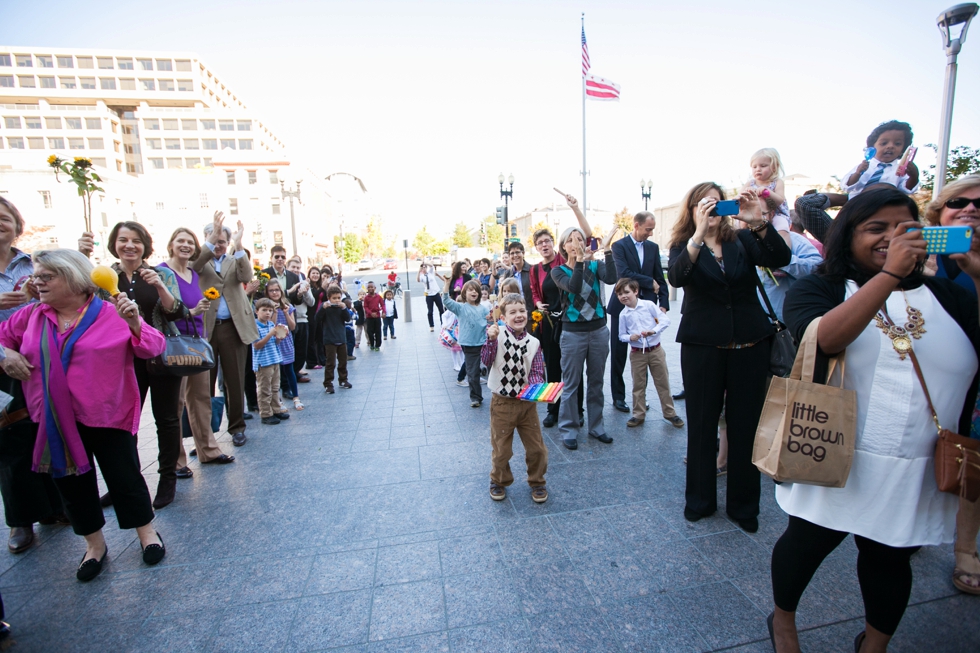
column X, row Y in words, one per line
column 391, row 314
column 374, row 310
column 472, row 316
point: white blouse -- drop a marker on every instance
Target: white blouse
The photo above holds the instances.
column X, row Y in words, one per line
column 891, row 495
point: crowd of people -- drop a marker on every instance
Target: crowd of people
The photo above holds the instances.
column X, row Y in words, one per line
column 509, row 324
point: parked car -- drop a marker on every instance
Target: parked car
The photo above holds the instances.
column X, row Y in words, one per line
column 391, row 264
column 364, row 264
column 436, row 260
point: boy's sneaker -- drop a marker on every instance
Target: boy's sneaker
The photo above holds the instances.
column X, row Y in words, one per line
column 463, row 383
column 352, row 358
column 475, row 404
column 328, row 389
column 498, row 492
column 539, row 494
column 271, row 421
column 282, row 415
column 345, row 384
column 675, row 421
column 634, row 421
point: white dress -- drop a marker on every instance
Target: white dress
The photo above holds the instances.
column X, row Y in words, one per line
column 891, row 495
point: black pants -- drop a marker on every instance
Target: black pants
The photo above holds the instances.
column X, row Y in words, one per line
column 115, row 451
column 430, row 301
column 300, row 336
column 251, row 393
column 618, row 355
column 164, row 399
column 883, row 571
column 373, row 327
column 28, row 497
column 314, row 347
column 710, row 372
column 471, row 355
column 551, row 351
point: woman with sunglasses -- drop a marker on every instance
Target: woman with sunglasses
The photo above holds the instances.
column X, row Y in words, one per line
column 958, row 205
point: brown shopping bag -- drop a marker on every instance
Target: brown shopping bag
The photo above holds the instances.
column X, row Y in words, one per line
column 806, row 431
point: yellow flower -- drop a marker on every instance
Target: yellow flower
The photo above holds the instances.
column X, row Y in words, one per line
column 536, row 316
column 53, row 160
column 212, row 293
column 265, row 275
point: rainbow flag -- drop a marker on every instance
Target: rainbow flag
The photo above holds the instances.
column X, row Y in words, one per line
column 546, row 392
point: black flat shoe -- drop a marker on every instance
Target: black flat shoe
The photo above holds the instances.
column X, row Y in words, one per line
column 247, row 416
column 549, row 421
column 90, row 568
column 105, row 500
column 605, row 439
column 621, row 406
column 858, row 641
column 570, row 444
column 691, row 515
column 679, row 396
column 750, row 525
column 772, row 633
column 184, row 472
column 283, row 415
column 154, row 553
column 223, row 459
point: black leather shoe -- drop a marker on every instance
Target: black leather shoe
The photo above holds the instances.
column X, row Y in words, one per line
column 272, row 420
column 549, row 421
column 605, row 439
column 621, row 406
column 105, row 500
column 750, row 525
column 90, row 568
column 223, row 459
column 678, row 396
column 184, row 472
column 193, row 452
column 570, row 444
column 247, row 416
column 154, row 553
column 283, row 415
column 238, row 439
column 691, row 515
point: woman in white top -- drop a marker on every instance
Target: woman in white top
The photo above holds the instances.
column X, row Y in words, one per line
column 873, row 273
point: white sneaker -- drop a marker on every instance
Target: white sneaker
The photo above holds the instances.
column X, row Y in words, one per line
column 463, row 384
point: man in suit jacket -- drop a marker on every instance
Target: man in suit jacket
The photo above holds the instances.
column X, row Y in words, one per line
column 521, row 270
column 230, row 321
column 288, row 280
column 636, row 257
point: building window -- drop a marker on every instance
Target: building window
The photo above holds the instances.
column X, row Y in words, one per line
column 24, row 61
column 188, row 125
column 99, row 161
column 105, row 63
column 84, row 62
column 191, row 144
column 185, row 85
column 148, row 84
column 245, row 144
column 35, row 143
column 115, row 144
column 45, row 61
column 107, row 83
column 164, row 64
column 166, row 84
column 226, row 125
column 209, row 144
column 87, row 83
column 145, row 64
column 93, row 123
column 175, row 164
column 207, row 163
column 204, row 200
column 127, row 84
column 130, row 149
column 273, row 176
column 156, row 163
column 16, row 143
column 276, row 209
column 230, row 176
column 171, row 143
column 151, row 124
column 76, row 143
column 228, row 143
column 32, row 122
column 73, row 123
column 170, row 124
column 56, row 143
column 244, row 125
column 26, row 81
column 183, row 65
column 95, row 144
column 6, row 81
column 67, row 82
column 192, row 162
column 5, row 60
column 124, row 64
column 159, row 206
column 52, row 123
column 252, row 179
column 65, row 62
column 232, row 206
column 46, row 198
column 153, row 144
column 11, row 122
column 47, row 82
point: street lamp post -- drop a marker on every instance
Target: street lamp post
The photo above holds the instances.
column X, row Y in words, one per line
column 292, row 214
column 645, row 188
column 506, row 194
column 949, row 19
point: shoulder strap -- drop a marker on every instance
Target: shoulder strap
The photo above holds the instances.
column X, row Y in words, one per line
column 758, row 281
column 918, row 373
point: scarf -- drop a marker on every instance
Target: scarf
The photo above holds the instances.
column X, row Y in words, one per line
column 58, row 449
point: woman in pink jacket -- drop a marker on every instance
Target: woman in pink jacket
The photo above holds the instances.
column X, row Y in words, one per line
column 74, row 353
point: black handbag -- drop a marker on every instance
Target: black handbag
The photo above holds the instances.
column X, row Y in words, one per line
column 184, row 355
column 783, row 351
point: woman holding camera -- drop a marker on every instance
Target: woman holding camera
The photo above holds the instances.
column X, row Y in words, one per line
column 724, row 335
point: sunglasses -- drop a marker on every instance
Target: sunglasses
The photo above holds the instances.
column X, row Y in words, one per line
column 962, row 202
column 278, row 257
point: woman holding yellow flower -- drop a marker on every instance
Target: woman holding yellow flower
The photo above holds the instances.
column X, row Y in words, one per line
column 196, row 389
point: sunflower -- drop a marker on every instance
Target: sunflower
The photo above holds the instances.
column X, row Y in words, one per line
column 54, row 161
column 264, row 275
column 83, row 162
column 212, row 293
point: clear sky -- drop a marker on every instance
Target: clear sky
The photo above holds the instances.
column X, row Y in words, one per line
column 428, row 101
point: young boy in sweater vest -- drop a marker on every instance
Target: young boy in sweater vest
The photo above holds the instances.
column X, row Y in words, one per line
column 514, row 359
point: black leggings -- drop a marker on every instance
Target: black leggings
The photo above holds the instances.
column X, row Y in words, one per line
column 883, row 571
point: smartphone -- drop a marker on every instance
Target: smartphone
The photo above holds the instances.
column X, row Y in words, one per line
column 725, row 207
column 593, row 244
column 906, row 160
column 947, row 240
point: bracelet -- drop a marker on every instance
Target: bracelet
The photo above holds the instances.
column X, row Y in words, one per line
column 892, row 274
column 757, row 229
column 694, row 244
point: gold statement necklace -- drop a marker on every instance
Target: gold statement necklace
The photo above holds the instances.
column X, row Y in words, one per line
column 901, row 335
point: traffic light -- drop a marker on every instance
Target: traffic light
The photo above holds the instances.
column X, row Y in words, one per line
column 513, row 231
column 501, row 214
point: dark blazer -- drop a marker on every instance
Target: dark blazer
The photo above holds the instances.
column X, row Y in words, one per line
column 291, row 280
column 628, row 267
column 525, row 285
column 723, row 307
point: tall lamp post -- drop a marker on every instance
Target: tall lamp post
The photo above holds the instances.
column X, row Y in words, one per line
column 645, row 188
column 292, row 214
column 506, row 195
column 947, row 21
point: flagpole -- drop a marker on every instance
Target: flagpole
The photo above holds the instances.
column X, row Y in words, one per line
column 585, row 205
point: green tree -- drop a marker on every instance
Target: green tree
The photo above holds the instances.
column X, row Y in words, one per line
column 390, row 251
column 352, row 249
column 440, row 247
column 529, row 244
column 423, row 242
column 461, row 235
column 624, row 219
column 961, row 161
column 373, row 237
column 494, row 234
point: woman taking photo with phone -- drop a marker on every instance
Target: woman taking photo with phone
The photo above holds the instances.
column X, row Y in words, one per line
column 724, row 335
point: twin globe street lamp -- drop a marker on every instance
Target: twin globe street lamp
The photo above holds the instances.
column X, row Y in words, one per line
column 645, row 188
column 947, row 22
column 502, row 217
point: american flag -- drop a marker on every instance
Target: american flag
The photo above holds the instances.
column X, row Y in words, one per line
column 599, row 88
column 585, row 55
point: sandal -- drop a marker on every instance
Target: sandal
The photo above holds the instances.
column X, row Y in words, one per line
column 966, row 581
column 297, row 404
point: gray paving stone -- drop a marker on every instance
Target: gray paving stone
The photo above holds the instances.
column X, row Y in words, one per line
column 330, row 620
column 511, row 636
column 407, row 562
column 652, row 624
column 721, row 614
column 470, row 554
column 256, row 627
column 551, row 586
column 571, row 631
column 480, row 598
column 409, row 609
column 341, row 572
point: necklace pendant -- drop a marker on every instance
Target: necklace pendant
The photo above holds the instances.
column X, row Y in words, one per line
column 902, row 344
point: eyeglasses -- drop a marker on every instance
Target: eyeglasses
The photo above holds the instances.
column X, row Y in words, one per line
column 545, row 241
column 278, row 257
column 43, row 278
column 962, row 202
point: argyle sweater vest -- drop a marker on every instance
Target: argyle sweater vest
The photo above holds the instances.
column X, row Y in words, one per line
column 512, row 367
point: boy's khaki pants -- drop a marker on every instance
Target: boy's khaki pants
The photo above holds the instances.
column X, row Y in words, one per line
column 267, row 385
column 507, row 414
column 656, row 361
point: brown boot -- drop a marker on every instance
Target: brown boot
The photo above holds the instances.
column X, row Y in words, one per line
column 21, row 538
column 166, row 491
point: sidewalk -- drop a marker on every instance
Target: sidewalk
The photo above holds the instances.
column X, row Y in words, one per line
column 364, row 524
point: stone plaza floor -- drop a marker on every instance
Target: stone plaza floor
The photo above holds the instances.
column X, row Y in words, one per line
column 364, row 524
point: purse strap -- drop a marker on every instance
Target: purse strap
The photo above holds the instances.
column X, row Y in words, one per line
column 918, row 373
column 762, row 289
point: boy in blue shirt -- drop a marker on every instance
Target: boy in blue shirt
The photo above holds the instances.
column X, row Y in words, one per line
column 266, row 360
